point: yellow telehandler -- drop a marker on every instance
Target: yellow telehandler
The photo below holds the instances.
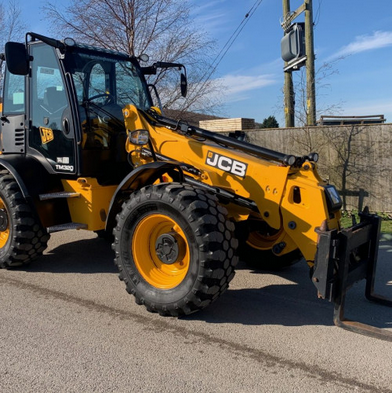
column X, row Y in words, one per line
column 84, row 147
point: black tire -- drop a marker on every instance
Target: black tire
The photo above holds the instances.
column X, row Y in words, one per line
column 105, row 235
column 256, row 240
column 22, row 237
column 266, row 259
column 204, row 248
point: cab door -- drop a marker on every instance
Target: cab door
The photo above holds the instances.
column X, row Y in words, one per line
column 51, row 131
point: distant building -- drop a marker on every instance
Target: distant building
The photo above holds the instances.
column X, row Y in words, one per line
column 344, row 120
column 212, row 123
column 192, row 118
column 228, row 125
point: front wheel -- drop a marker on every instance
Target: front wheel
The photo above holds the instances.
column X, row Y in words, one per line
column 22, row 237
column 175, row 248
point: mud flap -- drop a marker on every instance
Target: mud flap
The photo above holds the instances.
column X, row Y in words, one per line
column 344, row 258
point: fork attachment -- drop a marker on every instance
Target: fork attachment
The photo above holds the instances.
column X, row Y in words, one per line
column 344, row 258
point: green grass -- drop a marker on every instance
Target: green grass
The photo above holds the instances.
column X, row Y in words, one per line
column 386, row 226
column 386, row 223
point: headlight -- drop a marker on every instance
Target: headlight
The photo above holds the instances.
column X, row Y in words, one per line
column 333, row 198
column 313, row 157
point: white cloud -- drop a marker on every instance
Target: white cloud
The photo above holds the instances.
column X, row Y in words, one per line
column 234, row 88
column 211, row 16
column 379, row 39
column 212, row 21
column 237, row 85
column 205, row 7
column 374, row 107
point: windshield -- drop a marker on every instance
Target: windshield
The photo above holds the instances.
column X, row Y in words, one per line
column 103, row 78
column 104, row 84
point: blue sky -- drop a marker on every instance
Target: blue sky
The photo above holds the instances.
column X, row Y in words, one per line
column 355, row 37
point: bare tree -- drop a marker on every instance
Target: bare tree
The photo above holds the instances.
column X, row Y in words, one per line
column 305, row 137
column 354, row 159
column 161, row 28
column 323, row 73
column 12, row 28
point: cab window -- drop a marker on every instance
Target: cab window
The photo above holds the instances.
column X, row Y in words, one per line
column 48, row 107
column 14, row 90
column 97, row 85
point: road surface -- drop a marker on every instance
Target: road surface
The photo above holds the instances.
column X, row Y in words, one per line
column 68, row 325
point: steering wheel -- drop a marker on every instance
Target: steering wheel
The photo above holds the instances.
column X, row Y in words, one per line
column 109, row 97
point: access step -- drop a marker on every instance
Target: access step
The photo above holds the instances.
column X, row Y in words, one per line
column 65, row 227
column 58, row 195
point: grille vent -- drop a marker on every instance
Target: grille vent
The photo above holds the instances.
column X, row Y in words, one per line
column 19, row 137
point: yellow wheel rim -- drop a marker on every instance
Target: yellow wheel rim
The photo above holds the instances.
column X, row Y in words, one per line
column 151, row 267
column 4, row 234
column 263, row 242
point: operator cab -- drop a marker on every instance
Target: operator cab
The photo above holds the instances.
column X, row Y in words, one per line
column 63, row 106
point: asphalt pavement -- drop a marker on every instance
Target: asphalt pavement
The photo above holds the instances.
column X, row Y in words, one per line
column 68, row 325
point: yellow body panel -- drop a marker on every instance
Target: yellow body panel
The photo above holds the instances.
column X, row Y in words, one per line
column 92, row 206
column 268, row 184
column 264, row 181
column 301, row 218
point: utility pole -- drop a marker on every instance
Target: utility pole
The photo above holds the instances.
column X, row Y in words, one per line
column 310, row 72
column 296, row 62
column 288, row 83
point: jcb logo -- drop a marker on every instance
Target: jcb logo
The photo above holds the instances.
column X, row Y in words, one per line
column 46, row 135
column 226, row 164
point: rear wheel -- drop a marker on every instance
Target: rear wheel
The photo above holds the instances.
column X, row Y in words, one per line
column 174, row 247
column 22, row 237
column 255, row 249
column 266, row 259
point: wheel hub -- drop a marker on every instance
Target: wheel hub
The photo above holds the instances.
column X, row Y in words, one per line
column 3, row 220
column 169, row 248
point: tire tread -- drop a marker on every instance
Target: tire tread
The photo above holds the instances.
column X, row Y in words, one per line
column 28, row 239
column 215, row 240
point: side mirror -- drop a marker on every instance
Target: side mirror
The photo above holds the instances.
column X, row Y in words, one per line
column 139, row 137
column 184, row 85
column 152, row 70
column 17, row 58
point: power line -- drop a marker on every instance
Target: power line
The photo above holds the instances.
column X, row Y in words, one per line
column 318, row 13
column 222, row 53
column 234, row 36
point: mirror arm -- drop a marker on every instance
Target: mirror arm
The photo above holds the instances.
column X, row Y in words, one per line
column 149, row 70
column 152, row 70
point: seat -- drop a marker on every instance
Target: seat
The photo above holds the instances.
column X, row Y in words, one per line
column 54, row 100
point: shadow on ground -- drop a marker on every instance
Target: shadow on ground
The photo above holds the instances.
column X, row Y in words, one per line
column 296, row 304
column 293, row 303
column 87, row 256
